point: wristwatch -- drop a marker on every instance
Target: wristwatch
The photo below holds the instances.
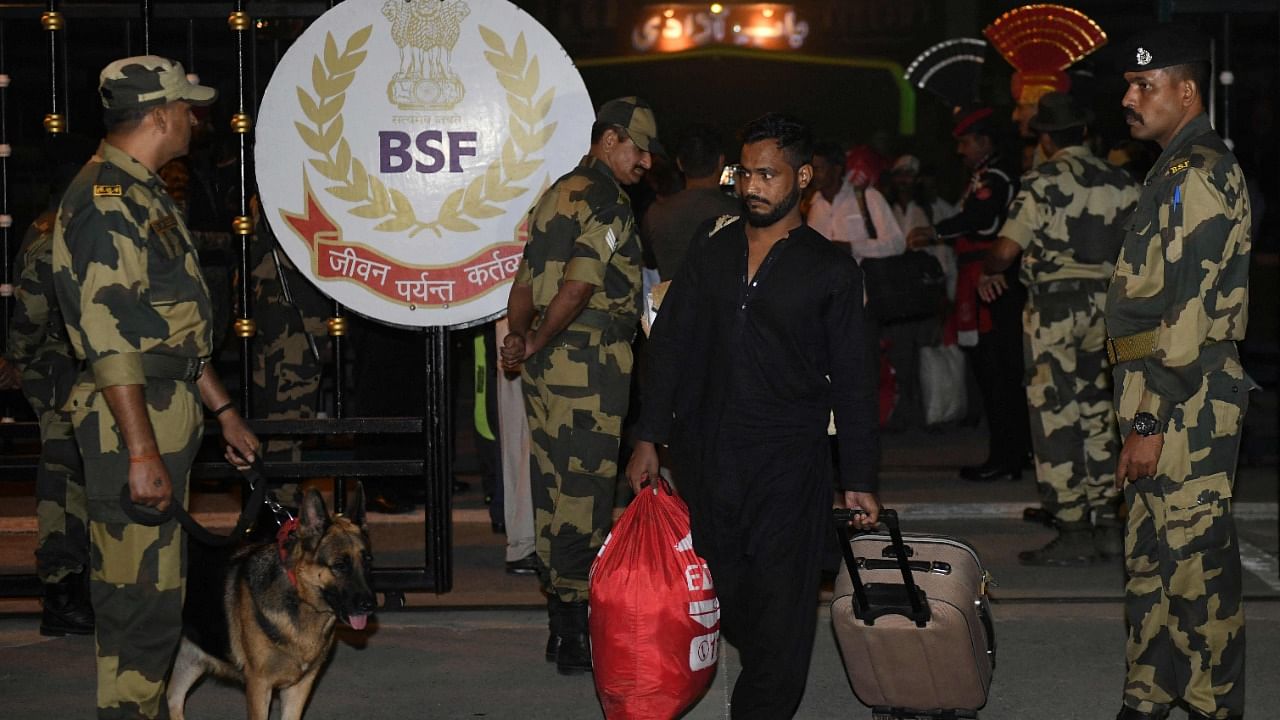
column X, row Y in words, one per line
column 1146, row 424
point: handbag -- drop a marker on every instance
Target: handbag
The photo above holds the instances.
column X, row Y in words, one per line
column 904, row 287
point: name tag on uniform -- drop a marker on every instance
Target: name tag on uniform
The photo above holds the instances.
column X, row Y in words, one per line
column 164, row 224
column 107, row 191
column 1179, row 166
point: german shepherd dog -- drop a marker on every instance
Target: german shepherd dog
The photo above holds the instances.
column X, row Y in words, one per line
column 267, row 619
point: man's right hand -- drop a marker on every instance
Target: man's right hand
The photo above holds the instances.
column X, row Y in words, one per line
column 149, row 483
column 920, row 237
column 512, row 352
column 643, row 466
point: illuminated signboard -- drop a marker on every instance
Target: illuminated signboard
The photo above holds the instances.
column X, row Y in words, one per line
column 676, row 27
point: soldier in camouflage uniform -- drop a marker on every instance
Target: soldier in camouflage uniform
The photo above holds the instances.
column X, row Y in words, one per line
column 573, row 312
column 137, row 314
column 292, row 335
column 1066, row 224
column 38, row 346
column 1177, row 306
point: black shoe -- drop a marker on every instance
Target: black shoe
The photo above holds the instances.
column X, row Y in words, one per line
column 389, row 504
column 67, row 610
column 527, row 565
column 1073, row 547
column 1038, row 515
column 574, row 654
column 555, row 621
column 989, row 473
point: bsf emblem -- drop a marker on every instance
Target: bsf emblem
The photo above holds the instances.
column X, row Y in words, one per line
column 426, row 32
column 1144, row 57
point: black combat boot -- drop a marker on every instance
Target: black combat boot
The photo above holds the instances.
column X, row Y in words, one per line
column 1108, row 532
column 1073, row 547
column 574, row 655
column 67, row 610
column 555, row 624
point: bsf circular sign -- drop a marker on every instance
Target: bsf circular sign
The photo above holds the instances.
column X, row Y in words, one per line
column 401, row 144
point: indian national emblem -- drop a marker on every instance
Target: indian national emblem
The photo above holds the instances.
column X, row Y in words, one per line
column 425, row 31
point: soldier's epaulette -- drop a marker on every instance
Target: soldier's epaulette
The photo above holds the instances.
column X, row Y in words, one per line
column 722, row 222
column 1178, row 167
column 107, row 191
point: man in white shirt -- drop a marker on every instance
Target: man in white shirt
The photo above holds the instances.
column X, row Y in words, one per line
column 848, row 209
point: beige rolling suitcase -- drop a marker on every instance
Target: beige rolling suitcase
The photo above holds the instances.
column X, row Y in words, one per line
column 913, row 622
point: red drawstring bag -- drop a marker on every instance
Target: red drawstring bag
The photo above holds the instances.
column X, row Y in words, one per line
column 655, row 619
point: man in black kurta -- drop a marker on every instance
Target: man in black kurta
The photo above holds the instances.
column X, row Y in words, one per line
column 758, row 340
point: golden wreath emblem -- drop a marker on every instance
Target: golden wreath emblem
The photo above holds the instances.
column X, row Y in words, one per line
column 528, row 132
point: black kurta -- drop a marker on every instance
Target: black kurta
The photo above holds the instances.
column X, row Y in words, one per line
column 741, row 379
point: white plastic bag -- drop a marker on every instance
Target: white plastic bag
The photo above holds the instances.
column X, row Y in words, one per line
column 942, row 384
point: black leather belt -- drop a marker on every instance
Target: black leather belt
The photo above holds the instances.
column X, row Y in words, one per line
column 614, row 328
column 1074, row 285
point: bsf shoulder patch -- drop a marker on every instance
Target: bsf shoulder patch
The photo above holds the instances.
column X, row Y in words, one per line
column 107, row 191
column 1178, row 167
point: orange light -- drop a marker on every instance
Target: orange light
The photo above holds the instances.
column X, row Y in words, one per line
column 767, row 12
column 716, row 8
column 668, row 13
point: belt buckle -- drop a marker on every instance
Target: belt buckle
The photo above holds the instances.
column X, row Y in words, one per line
column 1112, row 355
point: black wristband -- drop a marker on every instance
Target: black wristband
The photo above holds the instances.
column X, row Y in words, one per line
column 224, row 408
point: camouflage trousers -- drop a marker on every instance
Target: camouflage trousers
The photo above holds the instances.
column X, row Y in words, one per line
column 1073, row 426
column 1182, row 599
column 576, row 393
column 62, row 515
column 138, row 573
column 286, row 376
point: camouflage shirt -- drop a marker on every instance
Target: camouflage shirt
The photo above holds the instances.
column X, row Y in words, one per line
column 126, row 272
column 582, row 229
column 37, row 338
column 1067, row 217
column 1184, row 267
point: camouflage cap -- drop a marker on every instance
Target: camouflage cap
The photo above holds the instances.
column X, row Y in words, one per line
column 146, row 81
column 1059, row 111
column 636, row 117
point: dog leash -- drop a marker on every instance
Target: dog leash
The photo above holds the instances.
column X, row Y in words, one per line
column 256, row 478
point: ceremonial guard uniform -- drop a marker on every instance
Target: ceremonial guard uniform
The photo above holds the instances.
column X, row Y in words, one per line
column 994, row 330
column 1177, row 306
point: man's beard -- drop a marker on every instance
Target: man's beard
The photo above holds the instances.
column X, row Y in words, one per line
column 775, row 213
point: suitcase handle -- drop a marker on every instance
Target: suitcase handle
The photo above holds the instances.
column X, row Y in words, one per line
column 887, row 600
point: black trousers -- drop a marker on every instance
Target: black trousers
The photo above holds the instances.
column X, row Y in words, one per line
column 762, row 536
column 997, row 363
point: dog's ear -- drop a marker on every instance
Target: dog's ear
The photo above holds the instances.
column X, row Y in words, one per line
column 313, row 517
column 356, row 510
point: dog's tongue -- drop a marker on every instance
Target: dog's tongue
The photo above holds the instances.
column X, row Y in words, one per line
column 358, row 621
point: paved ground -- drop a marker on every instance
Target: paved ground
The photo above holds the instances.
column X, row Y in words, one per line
column 476, row 652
